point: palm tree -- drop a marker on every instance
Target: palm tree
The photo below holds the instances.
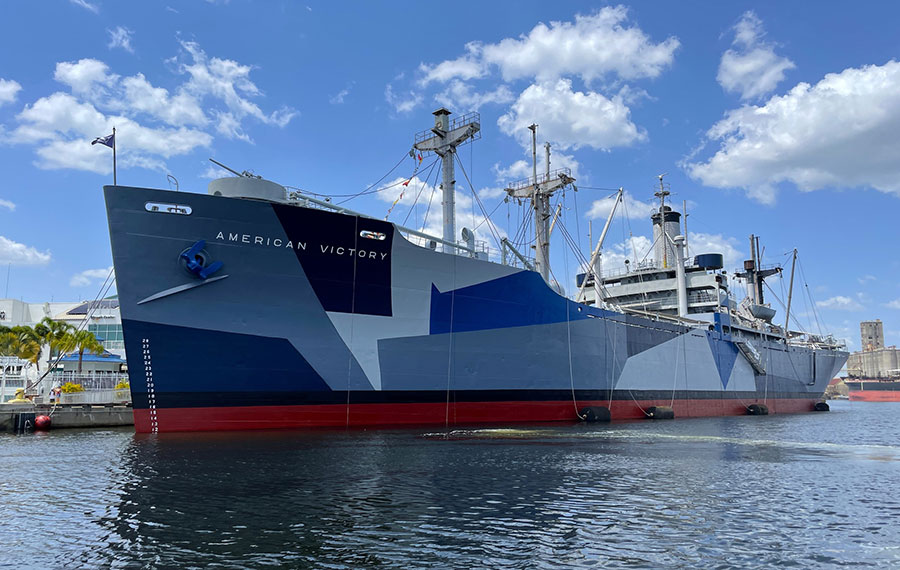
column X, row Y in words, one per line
column 25, row 343
column 7, row 339
column 56, row 335
column 21, row 342
column 85, row 340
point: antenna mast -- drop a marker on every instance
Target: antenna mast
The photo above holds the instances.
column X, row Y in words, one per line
column 662, row 217
column 442, row 139
column 539, row 191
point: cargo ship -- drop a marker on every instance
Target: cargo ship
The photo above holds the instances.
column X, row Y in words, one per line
column 873, row 389
column 873, row 373
column 254, row 307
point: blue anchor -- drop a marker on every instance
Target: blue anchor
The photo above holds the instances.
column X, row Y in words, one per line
column 194, row 262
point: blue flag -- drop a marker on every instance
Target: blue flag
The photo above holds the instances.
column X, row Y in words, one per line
column 108, row 140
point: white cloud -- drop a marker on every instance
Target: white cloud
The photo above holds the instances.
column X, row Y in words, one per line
column 213, row 172
column 523, row 169
column 74, row 154
column 570, row 119
column 635, row 249
column 840, row 302
column 88, row 78
column 86, row 5
column 519, row 169
column 152, row 123
column 228, row 125
column 120, row 38
column 229, row 82
column 63, row 126
column 699, row 243
column 181, row 109
column 395, row 189
column 8, row 91
column 7, row 204
column 866, row 278
column 600, row 47
column 339, row 97
column 56, row 115
column 895, row 304
column 840, row 132
column 461, row 95
column 89, row 276
column 492, row 193
column 751, row 67
column 466, row 67
column 402, row 103
column 593, row 46
column 633, row 208
column 15, row 253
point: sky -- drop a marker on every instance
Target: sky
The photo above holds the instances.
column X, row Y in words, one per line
column 778, row 119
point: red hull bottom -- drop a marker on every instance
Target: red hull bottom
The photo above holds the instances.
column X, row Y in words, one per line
column 876, row 396
column 360, row 415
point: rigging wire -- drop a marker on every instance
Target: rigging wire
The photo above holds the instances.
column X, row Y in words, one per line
column 508, row 214
column 494, row 232
column 634, row 252
column 497, row 207
column 568, row 308
column 524, row 230
column 812, row 303
column 570, row 241
column 784, row 306
column 577, row 218
column 598, row 188
column 472, row 188
column 369, row 190
column 428, row 209
column 421, row 189
column 88, row 314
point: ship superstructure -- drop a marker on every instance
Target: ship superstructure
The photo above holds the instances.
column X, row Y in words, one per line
column 254, row 307
column 653, row 286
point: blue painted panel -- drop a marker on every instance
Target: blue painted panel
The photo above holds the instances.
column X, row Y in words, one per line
column 517, row 300
column 724, row 353
column 350, row 274
column 184, row 359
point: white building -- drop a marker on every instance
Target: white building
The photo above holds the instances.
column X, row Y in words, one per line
column 99, row 317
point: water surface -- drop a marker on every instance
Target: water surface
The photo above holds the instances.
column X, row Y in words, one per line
column 810, row 490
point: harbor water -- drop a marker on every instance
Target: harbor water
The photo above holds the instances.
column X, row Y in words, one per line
column 810, row 490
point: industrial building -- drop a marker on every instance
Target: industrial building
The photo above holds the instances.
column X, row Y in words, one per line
column 875, row 360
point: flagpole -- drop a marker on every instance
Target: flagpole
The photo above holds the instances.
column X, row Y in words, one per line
column 114, row 157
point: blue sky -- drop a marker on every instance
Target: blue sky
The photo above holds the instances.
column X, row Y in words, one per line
column 773, row 118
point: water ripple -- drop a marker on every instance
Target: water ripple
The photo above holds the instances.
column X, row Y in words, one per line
column 807, row 491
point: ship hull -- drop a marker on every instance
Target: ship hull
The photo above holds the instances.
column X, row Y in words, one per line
column 318, row 318
column 874, row 390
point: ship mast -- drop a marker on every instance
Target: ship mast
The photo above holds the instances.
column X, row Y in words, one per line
column 442, row 139
column 662, row 219
column 539, row 191
column 755, row 274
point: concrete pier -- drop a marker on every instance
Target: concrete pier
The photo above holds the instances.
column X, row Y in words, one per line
column 70, row 415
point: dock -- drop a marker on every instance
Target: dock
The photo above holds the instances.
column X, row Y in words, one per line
column 13, row 416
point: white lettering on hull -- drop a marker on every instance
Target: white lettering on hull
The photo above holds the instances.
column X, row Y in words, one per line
column 327, row 249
